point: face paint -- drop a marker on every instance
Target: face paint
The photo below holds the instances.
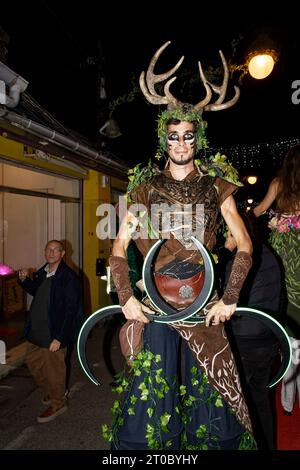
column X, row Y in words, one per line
column 181, row 142
column 186, row 138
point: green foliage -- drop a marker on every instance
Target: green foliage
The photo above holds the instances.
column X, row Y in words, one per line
column 219, row 165
column 207, row 434
column 155, row 387
column 139, row 175
column 183, row 115
column 287, row 245
column 126, row 98
column 215, row 165
column 247, row 442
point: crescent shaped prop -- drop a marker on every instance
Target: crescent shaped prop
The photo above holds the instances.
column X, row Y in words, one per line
column 169, row 314
column 281, row 336
column 84, row 332
column 270, row 322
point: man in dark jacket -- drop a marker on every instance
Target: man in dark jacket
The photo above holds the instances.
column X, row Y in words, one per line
column 254, row 345
column 52, row 325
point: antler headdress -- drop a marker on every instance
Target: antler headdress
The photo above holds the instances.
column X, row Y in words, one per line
column 176, row 108
column 148, row 82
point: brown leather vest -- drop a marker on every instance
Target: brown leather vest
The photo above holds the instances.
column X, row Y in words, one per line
column 194, row 190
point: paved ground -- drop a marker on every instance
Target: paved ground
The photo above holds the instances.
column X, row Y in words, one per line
column 89, row 405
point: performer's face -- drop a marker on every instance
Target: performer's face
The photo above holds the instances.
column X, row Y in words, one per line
column 181, row 142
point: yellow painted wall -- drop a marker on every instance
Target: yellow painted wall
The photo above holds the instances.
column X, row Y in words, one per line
column 10, row 148
column 14, row 152
column 96, row 190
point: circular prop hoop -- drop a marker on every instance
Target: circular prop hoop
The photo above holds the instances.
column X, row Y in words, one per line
column 85, row 330
column 280, row 333
column 169, row 314
column 269, row 321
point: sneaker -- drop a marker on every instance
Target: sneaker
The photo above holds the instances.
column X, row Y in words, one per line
column 46, row 401
column 50, row 413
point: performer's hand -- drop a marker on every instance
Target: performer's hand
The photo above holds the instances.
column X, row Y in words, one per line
column 219, row 313
column 54, row 346
column 140, row 285
column 133, row 310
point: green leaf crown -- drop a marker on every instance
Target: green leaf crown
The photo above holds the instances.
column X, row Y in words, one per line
column 184, row 113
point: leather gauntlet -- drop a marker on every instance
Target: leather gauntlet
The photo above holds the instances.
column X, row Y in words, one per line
column 120, row 274
column 239, row 271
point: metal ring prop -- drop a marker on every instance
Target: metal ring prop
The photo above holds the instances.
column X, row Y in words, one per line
column 170, row 314
column 84, row 333
column 280, row 333
column 269, row 321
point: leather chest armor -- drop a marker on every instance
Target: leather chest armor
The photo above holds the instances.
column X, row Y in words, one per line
column 185, row 196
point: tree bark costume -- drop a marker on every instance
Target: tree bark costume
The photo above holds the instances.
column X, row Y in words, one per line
column 216, row 415
column 209, row 346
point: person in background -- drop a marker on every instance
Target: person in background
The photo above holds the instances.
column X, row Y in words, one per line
column 255, row 346
column 53, row 323
column 284, row 191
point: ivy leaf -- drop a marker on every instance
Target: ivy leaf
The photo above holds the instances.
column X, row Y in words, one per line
column 201, row 431
column 150, row 412
column 219, row 403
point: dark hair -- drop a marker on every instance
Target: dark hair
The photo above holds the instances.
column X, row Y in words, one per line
column 288, row 197
column 178, row 121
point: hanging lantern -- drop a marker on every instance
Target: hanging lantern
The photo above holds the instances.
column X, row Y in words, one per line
column 262, row 55
column 261, row 65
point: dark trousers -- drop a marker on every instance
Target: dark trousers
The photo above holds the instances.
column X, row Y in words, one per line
column 161, row 339
column 255, row 367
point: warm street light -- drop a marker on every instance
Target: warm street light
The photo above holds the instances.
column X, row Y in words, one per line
column 262, row 56
column 261, row 65
column 252, row 179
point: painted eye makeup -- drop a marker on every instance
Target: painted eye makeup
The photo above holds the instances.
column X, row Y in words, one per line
column 187, row 137
column 173, row 137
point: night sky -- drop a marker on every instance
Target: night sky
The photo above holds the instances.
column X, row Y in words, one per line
column 57, row 47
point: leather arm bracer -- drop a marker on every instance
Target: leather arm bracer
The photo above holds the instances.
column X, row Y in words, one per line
column 239, row 271
column 120, row 274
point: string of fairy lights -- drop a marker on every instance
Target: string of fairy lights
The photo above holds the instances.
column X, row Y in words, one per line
column 252, row 161
column 258, row 156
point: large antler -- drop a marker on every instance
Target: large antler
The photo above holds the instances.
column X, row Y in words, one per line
column 221, row 91
column 148, row 85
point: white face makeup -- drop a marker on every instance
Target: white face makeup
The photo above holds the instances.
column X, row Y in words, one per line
column 181, row 142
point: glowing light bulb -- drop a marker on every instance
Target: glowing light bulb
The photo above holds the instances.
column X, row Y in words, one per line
column 252, row 179
column 261, row 65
